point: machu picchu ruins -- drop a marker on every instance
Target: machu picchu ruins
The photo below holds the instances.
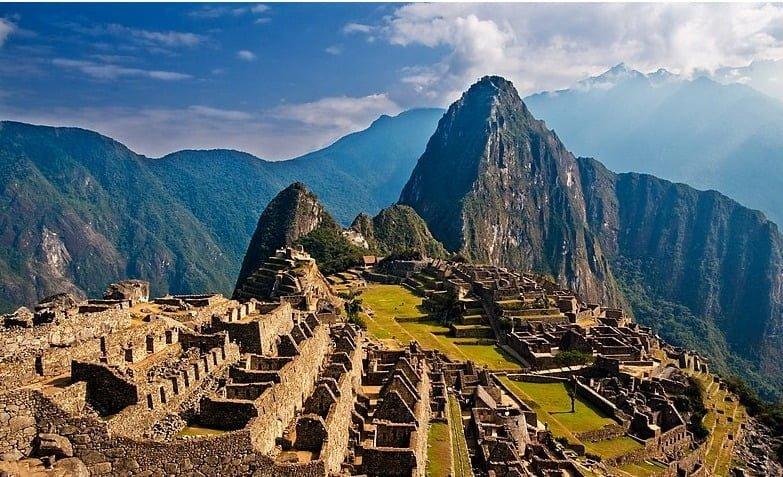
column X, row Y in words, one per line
column 513, row 314
column 280, row 381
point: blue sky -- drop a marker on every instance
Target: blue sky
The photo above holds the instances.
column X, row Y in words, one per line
column 279, row 80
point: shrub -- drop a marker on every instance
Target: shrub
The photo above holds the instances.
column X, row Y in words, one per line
column 573, row 358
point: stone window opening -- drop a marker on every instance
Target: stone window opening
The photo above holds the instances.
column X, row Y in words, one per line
column 39, row 367
column 104, row 349
column 162, row 395
column 150, row 404
column 150, row 344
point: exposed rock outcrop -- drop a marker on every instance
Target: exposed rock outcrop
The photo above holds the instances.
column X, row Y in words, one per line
column 495, row 184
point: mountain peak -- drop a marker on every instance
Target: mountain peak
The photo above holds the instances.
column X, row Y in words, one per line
column 492, row 86
column 293, row 213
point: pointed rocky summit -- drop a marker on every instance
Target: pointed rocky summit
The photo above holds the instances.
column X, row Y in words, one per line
column 496, row 185
column 292, row 214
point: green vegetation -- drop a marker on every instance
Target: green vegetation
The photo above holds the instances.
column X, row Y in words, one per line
column 643, row 469
column 462, row 467
column 398, row 230
column 353, row 308
column 723, row 418
column 553, row 406
column 389, row 302
column 439, row 450
column 768, row 413
column 679, row 325
column 611, row 448
column 330, row 249
column 193, row 430
column 184, row 221
column 573, row 358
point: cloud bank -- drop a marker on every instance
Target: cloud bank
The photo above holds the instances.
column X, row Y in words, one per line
column 543, row 47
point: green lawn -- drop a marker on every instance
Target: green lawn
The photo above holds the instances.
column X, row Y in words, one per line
column 611, row 448
column 551, row 403
column 462, row 467
column 200, row 431
column 390, row 301
column 439, row 450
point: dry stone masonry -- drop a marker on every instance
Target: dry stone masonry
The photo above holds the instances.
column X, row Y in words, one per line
column 275, row 382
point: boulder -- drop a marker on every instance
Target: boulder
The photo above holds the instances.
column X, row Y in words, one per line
column 54, row 444
column 71, row 466
column 133, row 290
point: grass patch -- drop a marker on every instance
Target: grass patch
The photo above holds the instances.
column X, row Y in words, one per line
column 551, row 402
column 439, row 450
column 390, row 301
column 611, row 448
column 462, row 467
column 199, row 431
column 643, row 469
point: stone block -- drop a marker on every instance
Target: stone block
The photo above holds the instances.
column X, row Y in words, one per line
column 54, row 444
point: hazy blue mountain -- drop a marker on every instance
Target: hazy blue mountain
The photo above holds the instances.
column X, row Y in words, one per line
column 78, row 210
column 361, row 172
column 708, row 135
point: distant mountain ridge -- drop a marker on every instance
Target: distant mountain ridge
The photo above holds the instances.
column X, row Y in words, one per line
column 727, row 137
column 498, row 186
column 79, row 210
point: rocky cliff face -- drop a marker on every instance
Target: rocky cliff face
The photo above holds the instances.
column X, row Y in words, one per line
column 396, row 229
column 292, row 214
column 722, row 262
column 496, row 185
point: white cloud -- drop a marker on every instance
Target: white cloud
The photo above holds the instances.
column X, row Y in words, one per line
column 153, row 40
column 357, row 28
column 340, row 112
column 217, row 11
column 6, row 29
column 334, row 50
column 246, row 55
column 764, row 75
column 222, row 114
column 552, row 46
column 108, row 71
column 283, row 132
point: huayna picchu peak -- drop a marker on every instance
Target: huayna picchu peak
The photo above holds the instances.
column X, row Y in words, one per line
column 498, row 187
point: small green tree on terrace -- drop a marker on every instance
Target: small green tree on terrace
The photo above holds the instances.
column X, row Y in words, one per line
column 353, row 308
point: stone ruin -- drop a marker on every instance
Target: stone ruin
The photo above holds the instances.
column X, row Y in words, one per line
column 276, row 383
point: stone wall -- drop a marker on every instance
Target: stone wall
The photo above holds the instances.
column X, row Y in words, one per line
column 28, row 354
column 108, row 391
column 30, row 412
column 277, row 406
column 163, row 396
column 339, row 419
